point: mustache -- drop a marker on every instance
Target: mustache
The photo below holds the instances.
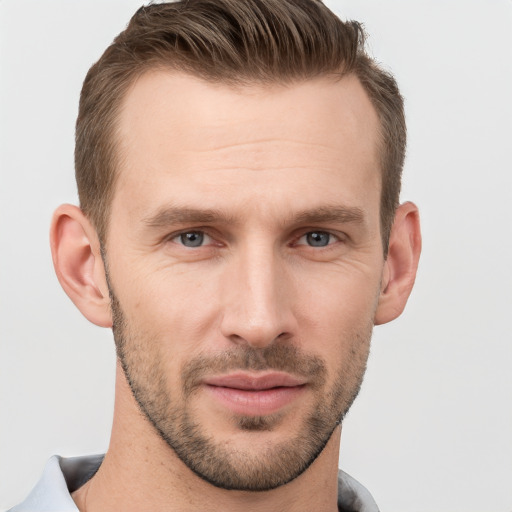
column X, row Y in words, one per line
column 277, row 357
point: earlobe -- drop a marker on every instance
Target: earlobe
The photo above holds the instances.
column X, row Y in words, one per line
column 78, row 263
column 401, row 263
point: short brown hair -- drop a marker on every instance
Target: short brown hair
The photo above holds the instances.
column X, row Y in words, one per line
column 234, row 42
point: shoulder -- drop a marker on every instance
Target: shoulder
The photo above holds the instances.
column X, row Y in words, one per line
column 353, row 496
column 60, row 477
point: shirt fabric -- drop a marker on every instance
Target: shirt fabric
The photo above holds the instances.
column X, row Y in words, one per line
column 62, row 476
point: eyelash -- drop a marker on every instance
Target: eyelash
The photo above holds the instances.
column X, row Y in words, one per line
column 201, row 232
column 178, row 238
column 331, row 240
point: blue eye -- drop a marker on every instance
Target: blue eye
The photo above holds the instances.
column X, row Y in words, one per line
column 317, row 239
column 191, row 238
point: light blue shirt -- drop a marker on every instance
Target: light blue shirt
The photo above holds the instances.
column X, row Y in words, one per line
column 61, row 476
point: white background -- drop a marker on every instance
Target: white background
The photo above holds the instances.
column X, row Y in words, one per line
column 432, row 428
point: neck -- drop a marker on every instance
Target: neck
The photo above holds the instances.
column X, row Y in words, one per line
column 141, row 472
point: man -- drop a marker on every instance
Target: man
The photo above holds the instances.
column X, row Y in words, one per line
column 238, row 165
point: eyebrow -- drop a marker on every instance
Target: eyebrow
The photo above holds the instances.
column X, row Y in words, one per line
column 176, row 215
column 339, row 214
column 169, row 216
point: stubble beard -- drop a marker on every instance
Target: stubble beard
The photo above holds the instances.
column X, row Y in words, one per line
column 220, row 463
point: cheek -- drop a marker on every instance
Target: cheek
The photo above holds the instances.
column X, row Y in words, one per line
column 341, row 298
column 336, row 316
column 175, row 310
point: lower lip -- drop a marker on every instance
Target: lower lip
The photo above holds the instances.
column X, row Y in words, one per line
column 255, row 403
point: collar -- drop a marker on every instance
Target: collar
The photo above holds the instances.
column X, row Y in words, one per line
column 62, row 476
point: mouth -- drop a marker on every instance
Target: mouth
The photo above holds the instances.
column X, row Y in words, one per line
column 255, row 394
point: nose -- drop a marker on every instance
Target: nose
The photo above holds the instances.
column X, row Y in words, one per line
column 257, row 299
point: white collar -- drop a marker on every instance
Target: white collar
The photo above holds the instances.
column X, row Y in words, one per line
column 61, row 476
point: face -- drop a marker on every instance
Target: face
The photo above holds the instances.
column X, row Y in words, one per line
column 245, row 265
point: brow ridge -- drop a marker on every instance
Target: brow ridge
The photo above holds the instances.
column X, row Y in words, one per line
column 182, row 215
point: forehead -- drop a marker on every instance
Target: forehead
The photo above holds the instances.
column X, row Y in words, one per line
column 207, row 114
column 175, row 127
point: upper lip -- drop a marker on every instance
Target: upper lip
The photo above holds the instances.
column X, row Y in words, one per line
column 255, row 381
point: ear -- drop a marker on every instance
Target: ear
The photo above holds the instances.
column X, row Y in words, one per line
column 78, row 264
column 401, row 264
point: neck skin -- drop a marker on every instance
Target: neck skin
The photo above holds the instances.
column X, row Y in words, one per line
column 140, row 472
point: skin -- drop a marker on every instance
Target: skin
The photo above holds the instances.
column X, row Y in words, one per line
column 266, row 163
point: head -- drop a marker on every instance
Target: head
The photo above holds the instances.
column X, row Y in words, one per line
column 235, row 43
column 238, row 165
